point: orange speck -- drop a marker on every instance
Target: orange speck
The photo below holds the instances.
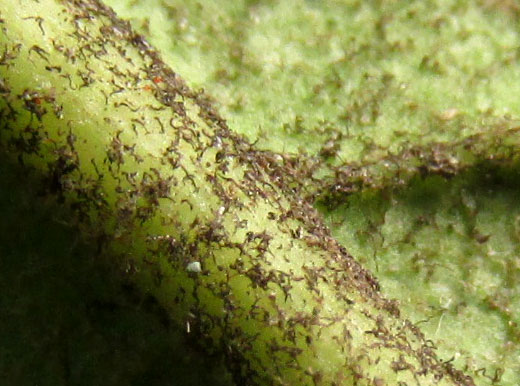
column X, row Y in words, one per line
column 157, row 79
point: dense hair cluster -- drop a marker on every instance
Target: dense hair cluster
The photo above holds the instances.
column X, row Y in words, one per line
column 223, row 235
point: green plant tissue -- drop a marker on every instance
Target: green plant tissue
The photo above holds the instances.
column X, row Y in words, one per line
column 340, row 83
column 372, row 77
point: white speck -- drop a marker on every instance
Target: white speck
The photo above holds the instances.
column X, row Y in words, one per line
column 188, row 328
column 439, row 324
column 183, row 24
column 194, row 267
column 448, row 115
column 217, row 142
column 221, row 210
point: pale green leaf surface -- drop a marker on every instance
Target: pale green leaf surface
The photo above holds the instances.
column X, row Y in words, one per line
column 374, row 77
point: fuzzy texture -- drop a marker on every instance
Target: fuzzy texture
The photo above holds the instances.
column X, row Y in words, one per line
column 151, row 173
column 354, row 146
column 379, row 95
